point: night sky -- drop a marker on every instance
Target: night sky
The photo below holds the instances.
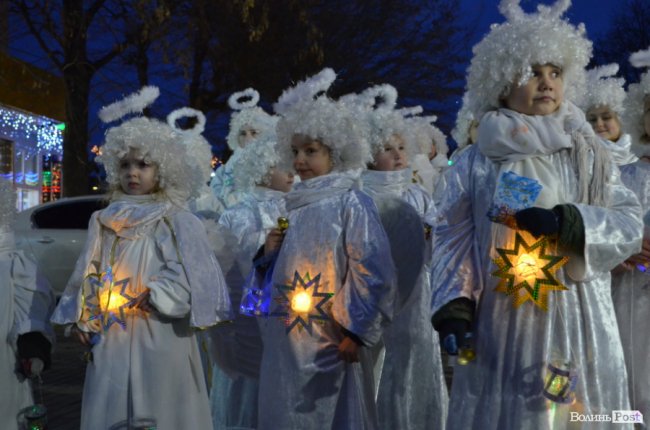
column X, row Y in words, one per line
column 479, row 14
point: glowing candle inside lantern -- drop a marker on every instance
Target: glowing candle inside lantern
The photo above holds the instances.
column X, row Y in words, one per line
column 111, row 301
column 526, row 266
column 301, row 302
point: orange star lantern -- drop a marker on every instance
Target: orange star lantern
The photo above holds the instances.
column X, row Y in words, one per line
column 526, row 271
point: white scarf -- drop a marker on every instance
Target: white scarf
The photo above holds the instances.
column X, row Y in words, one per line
column 520, row 143
column 394, row 183
column 621, row 150
column 321, row 187
column 129, row 215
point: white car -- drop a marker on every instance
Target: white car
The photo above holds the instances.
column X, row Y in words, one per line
column 55, row 233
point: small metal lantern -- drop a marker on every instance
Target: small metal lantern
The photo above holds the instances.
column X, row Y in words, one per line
column 559, row 384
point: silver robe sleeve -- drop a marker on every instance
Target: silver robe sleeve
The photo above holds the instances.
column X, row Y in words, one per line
column 612, row 233
column 209, row 294
column 33, row 298
column 69, row 308
column 456, row 266
column 367, row 295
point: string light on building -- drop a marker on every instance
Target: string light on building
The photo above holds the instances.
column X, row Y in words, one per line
column 19, row 126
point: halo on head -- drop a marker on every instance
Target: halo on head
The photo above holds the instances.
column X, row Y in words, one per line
column 134, row 103
column 244, row 99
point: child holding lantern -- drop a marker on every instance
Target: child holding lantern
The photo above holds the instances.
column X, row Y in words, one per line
column 145, row 280
column 333, row 277
column 544, row 328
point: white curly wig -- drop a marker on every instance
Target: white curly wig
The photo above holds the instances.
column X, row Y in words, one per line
column 604, row 90
column 253, row 165
column 175, row 152
column 248, row 114
column 464, row 120
column 634, row 103
column 424, row 133
column 7, row 204
column 305, row 111
column 506, row 55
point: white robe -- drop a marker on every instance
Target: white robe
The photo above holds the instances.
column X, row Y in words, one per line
column 631, row 294
column 502, row 388
column 337, row 247
column 412, row 389
column 25, row 306
column 238, row 347
column 149, row 371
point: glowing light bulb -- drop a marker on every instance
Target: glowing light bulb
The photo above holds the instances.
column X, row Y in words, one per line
column 526, row 266
column 111, row 301
column 301, row 302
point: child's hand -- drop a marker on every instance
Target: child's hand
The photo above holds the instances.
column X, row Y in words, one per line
column 348, row 350
column 142, row 301
column 82, row 336
column 273, row 241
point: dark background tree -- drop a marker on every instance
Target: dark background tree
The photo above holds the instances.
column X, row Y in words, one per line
column 628, row 32
column 201, row 51
column 63, row 30
column 417, row 46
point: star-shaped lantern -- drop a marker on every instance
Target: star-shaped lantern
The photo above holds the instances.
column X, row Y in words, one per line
column 300, row 303
column 107, row 300
column 526, row 272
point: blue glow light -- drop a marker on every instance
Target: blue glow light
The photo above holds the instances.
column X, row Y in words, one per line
column 21, row 126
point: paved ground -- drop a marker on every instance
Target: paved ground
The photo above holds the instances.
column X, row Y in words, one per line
column 63, row 384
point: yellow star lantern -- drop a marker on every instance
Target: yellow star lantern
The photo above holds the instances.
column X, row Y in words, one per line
column 300, row 302
column 106, row 300
column 526, row 272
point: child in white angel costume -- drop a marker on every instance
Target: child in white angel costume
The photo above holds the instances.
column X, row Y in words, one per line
column 412, row 392
column 249, row 123
column 604, row 105
column 238, row 347
column 532, row 282
column 630, row 281
column 26, row 303
column 145, row 281
column 333, row 279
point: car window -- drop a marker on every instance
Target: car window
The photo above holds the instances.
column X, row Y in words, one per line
column 67, row 215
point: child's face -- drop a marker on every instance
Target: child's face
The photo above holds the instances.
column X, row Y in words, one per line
column 246, row 134
column 281, row 180
column 541, row 95
column 604, row 122
column 310, row 157
column 137, row 176
column 393, row 156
